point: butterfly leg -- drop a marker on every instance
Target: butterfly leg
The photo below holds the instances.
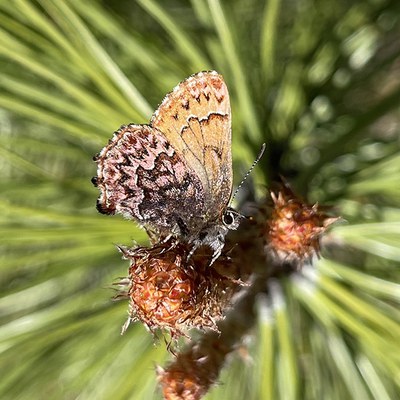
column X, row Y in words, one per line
column 215, row 240
column 216, row 254
column 194, row 248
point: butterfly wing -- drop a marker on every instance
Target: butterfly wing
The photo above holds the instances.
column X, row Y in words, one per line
column 196, row 119
column 141, row 176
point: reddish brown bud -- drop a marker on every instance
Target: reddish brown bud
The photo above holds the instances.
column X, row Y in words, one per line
column 194, row 371
column 294, row 227
column 178, row 383
column 168, row 291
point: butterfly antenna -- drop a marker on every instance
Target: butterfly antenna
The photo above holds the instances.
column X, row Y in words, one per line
column 260, row 154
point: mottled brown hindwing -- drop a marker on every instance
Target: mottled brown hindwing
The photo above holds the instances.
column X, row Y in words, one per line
column 141, row 176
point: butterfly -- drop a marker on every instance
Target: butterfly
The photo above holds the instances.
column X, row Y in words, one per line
column 174, row 175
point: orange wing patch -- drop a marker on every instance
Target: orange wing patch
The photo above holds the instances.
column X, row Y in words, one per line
column 196, row 119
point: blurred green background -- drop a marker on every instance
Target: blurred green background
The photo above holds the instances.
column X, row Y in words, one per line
column 318, row 81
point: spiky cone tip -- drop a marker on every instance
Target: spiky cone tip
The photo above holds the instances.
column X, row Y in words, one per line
column 292, row 229
column 174, row 293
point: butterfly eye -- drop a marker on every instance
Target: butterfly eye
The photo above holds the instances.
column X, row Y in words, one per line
column 231, row 219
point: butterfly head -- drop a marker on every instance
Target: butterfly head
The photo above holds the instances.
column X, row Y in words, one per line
column 231, row 218
column 213, row 235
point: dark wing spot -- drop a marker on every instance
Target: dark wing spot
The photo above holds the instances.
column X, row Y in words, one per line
column 102, row 209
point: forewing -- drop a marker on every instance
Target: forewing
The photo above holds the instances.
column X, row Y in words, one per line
column 141, row 176
column 196, row 119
